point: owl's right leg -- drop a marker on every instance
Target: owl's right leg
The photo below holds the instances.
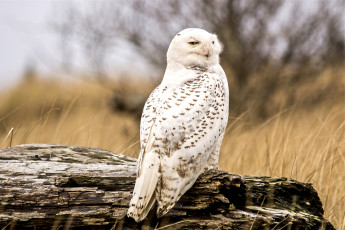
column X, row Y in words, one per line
column 212, row 161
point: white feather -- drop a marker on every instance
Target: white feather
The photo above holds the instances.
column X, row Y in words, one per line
column 183, row 123
column 143, row 194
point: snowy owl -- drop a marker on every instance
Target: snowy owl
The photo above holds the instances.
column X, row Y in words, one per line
column 183, row 123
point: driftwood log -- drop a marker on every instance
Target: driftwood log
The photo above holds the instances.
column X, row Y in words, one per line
column 69, row 187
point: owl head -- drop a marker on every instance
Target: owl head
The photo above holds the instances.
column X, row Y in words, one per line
column 194, row 47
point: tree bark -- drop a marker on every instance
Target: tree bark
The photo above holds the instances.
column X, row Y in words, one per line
column 69, row 187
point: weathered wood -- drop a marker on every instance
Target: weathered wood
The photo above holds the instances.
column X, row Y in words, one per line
column 63, row 187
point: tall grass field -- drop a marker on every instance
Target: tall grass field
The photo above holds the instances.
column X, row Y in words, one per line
column 306, row 143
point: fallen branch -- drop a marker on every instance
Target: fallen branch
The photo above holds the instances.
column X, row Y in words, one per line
column 58, row 186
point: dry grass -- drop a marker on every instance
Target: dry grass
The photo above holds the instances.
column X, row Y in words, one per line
column 48, row 112
column 307, row 144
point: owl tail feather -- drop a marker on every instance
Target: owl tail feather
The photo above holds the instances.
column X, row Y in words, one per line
column 144, row 196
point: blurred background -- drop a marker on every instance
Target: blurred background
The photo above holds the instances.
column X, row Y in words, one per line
column 79, row 72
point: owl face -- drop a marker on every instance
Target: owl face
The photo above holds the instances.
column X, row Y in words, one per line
column 194, row 47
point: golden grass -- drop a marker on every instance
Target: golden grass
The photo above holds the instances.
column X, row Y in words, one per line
column 307, row 144
column 48, row 112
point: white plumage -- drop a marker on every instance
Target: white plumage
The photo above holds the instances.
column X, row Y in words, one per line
column 183, row 123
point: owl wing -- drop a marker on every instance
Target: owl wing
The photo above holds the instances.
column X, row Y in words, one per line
column 148, row 163
column 148, row 118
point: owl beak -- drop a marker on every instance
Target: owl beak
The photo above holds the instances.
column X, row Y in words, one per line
column 205, row 52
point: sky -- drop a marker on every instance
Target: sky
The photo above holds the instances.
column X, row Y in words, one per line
column 28, row 39
column 25, row 37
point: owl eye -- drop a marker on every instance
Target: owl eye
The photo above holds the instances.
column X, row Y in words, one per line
column 193, row 43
